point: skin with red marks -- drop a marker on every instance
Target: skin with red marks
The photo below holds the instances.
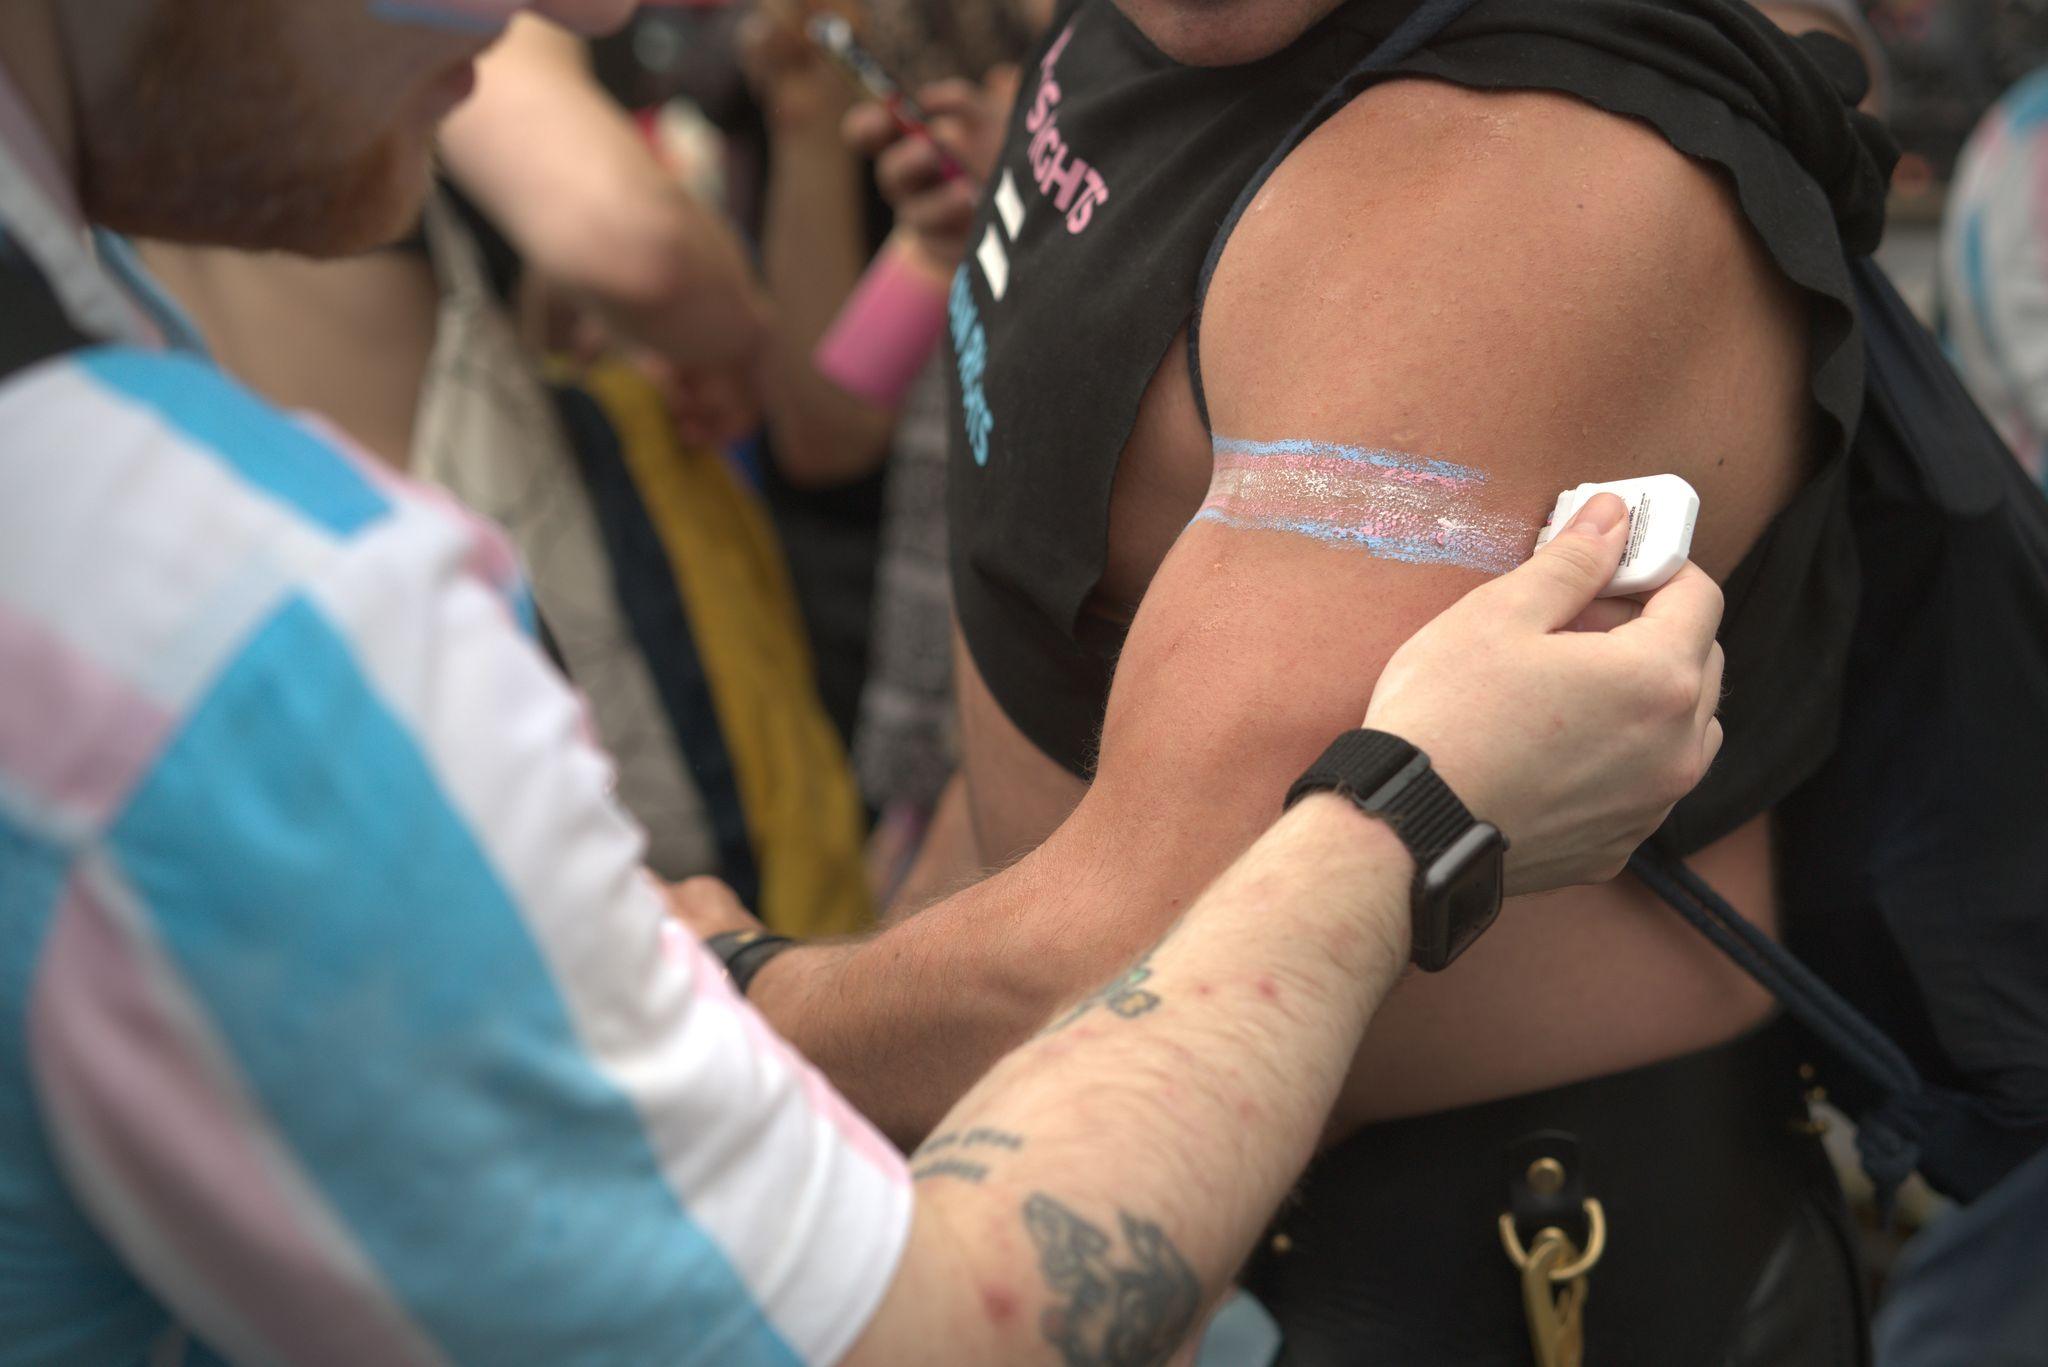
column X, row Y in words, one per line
column 1000, row 1304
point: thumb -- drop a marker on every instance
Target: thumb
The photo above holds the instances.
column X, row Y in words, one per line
column 707, row 907
column 1564, row 577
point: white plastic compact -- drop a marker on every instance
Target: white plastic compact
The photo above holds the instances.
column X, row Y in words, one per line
column 1661, row 512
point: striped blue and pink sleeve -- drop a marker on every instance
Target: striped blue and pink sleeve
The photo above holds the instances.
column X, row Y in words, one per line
column 346, row 1024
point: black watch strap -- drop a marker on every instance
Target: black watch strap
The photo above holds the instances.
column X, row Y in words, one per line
column 1360, row 764
column 745, row 952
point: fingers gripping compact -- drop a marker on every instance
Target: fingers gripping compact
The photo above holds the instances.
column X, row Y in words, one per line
column 1661, row 513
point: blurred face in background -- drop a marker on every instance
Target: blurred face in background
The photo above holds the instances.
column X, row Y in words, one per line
column 1223, row 32
column 288, row 125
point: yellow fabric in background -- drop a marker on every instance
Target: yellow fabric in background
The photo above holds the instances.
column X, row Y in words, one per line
column 794, row 780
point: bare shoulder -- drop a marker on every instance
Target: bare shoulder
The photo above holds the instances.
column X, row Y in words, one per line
column 1540, row 179
column 1524, row 283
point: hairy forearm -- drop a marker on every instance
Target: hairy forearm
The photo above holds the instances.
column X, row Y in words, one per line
column 954, row 987
column 1142, row 1140
column 904, row 1022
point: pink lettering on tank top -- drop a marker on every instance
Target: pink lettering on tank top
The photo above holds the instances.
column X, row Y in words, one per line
column 1073, row 185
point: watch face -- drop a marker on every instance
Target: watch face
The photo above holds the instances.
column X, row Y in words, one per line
column 1461, row 894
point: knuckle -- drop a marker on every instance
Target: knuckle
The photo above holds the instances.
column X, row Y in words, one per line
column 1679, row 776
column 1674, row 689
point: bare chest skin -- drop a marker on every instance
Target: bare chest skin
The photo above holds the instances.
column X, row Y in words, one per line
column 1568, row 985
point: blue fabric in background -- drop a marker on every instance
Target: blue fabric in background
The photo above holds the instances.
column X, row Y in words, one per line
column 1972, row 1289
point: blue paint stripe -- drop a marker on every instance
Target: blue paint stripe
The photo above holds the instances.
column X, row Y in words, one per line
column 388, row 1009
column 64, row 1294
column 258, row 443
column 427, row 15
column 1365, row 455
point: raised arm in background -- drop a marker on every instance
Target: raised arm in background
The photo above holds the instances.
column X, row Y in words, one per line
column 560, row 168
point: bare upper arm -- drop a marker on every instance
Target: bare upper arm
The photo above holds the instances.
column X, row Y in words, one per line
column 1524, row 290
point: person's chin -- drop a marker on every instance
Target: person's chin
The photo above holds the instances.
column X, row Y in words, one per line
column 1220, row 32
column 383, row 210
column 371, row 204
column 343, row 212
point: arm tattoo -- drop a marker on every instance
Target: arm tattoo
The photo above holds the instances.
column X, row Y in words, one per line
column 980, row 1137
column 1127, row 997
column 951, row 1147
column 1110, row 1313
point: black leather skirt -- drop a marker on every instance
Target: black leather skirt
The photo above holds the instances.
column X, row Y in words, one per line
column 1728, row 1244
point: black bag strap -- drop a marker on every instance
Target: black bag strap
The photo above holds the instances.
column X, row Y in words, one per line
column 1888, row 1138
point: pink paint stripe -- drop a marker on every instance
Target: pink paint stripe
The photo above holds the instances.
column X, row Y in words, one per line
column 1288, row 509
column 713, row 988
column 71, row 733
column 1338, row 470
column 491, row 556
column 127, row 1088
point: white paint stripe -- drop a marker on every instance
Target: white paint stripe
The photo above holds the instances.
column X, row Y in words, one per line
column 141, row 548
column 995, row 263
column 1009, row 205
column 730, row 1121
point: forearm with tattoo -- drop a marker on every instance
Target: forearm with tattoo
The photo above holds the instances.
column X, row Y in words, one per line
column 1105, row 1180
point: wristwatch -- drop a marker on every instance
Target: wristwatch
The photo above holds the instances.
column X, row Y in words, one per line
column 745, row 953
column 1458, row 858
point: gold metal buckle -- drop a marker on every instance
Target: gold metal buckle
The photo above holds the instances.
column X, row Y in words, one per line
column 1554, row 1286
column 1596, row 1243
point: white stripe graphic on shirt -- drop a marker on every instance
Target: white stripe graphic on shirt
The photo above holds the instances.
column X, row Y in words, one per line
column 811, row 1222
column 995, row 263
column 1009, row 204
column 148, row 554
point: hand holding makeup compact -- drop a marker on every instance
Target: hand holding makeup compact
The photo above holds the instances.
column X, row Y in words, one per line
column 1661, row 512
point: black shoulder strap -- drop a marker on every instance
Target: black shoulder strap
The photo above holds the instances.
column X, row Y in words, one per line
column 33, row 324
column 1890, row 1137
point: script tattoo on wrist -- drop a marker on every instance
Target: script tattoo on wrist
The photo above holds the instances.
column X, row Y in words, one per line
column 1110, row 1312
column 951, row 1148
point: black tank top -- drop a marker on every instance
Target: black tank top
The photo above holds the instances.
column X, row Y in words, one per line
column 1123, row 170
